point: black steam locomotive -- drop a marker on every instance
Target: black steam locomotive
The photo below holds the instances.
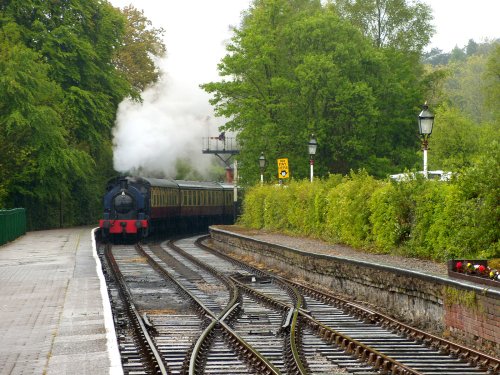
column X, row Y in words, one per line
column 135, row 207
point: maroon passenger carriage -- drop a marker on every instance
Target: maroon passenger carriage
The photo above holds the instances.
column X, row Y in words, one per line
column 135, row 207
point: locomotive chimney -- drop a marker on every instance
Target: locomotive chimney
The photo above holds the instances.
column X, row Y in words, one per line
column 123, row 184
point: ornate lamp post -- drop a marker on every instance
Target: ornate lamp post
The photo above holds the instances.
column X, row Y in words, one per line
column 312, row 151
column 262, row 165
column 425, row 123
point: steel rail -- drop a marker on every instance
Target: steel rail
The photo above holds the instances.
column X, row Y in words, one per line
column 202, row 346
column 265, row 367
column 353, row 347
column 148, row 348
column 256, row 360
column 297, row 366
column 202, row 309
column 473, row 357
column 348, row 344
column 230, row 285
column 368, row 355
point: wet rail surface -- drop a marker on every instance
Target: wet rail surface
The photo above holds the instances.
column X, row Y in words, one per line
column 205, row 313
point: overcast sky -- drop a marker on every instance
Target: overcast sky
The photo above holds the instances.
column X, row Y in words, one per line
column 196, row 31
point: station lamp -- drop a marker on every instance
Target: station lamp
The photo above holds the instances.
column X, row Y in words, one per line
column 262, row 165
column 425, row 124
column 313, row 144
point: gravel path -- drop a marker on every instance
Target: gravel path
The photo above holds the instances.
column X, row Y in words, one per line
column 322, row 247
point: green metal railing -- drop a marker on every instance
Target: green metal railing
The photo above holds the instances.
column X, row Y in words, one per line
column 12, row 224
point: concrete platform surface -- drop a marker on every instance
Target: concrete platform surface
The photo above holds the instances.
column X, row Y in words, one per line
column 55, row 316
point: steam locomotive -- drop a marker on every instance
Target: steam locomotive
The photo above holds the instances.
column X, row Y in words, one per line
column 136, row 207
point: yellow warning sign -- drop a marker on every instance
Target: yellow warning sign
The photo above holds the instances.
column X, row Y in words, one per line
column 283, row 168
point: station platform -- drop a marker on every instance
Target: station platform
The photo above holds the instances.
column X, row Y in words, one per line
column 55, row 316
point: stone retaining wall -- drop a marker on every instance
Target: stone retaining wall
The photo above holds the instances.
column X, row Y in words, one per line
column 449, row 308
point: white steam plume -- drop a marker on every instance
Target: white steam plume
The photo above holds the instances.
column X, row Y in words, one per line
column 168, row 125
column 172, row 120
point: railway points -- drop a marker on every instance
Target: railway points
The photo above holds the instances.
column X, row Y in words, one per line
column 56, row 317
column 238, row 314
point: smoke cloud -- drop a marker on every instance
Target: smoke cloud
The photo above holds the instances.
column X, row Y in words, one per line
column 150, row 137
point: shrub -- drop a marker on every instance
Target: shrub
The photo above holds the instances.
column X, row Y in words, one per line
column 348, row 215
column 420, row 218
column 253, row 207
column 388, row 229
column 276, row 205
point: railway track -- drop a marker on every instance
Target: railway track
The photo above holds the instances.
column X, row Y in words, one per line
column 208, row 314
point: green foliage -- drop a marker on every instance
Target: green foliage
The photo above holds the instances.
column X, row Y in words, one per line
column 432, row 234
column 253, row 207
column 467, row 119
column 305, row 211
column 492, row 82
column 465, row 87
column 296, row 69
column 141, row 42
column 59, row 92
column 392, row 208
column 348, row 213
column 454, row 296
column 454, row 139
column 480, row 186
column 418, row 218
column 390, row 23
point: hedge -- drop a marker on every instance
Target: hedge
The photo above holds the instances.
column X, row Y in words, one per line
column 419, row 218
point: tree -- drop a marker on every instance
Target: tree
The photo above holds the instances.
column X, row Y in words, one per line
column 492, row 82
column 390, row 23
column 454, row 140
column 36, row 160
column 436, row 57
column 297, row 70
column 458, row 54
column 59, row 92
column 141, row 42
column 471, row 48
